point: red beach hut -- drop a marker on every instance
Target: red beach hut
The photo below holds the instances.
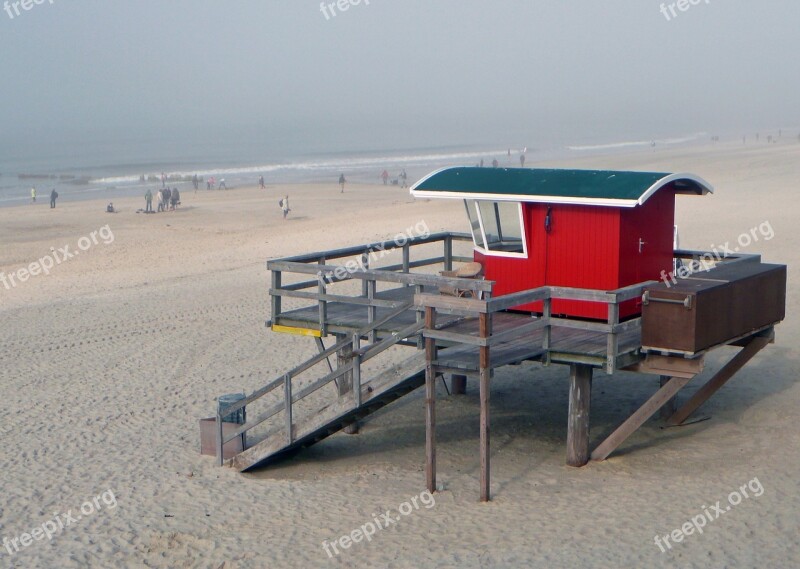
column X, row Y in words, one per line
column 588, row 229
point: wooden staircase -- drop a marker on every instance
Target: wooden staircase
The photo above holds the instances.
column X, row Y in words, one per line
column 334, row 416
column 353, row 399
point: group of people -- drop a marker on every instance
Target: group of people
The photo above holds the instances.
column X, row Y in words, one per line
column 53, row 197
column 402, row 179
column 167, row 200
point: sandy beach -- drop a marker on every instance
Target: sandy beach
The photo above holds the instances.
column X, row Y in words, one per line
column 108, row 362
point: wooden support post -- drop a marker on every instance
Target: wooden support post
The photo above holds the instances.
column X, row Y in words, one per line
column 485, row 330
column 430, row 402
column 580, row 402
column 406, row 259
column 345, row 386
column 747, row 353
column 668, row 409
column 448, row 253
column 458, row 384
column 276, row 299
column 638, row 419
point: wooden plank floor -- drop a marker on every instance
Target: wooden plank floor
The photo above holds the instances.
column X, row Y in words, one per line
column 529, row 347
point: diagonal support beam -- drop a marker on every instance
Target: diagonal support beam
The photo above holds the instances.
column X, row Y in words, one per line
column 626, row 429
column 755, row 345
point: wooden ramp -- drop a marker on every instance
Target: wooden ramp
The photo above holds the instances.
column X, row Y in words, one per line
column 333, row 416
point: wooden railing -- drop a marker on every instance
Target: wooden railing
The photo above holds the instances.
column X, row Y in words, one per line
column 358, row 267
column 292, row 395
column 484, row 309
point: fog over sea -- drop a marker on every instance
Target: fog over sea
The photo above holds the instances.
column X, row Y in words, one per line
column 97, row 167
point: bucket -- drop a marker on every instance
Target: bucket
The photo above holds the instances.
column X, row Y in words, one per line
column 238, row 417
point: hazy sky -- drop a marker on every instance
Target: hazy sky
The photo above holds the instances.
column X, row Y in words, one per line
column 460, row 70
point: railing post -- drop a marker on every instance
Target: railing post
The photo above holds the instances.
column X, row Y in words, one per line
column 323, row 305
column 357, row 370
column 287, row 394
column 276, row 299
column 365, row 264
column 448, row 253
column 372, row 288
column 406, row 259
column 418, row 289
column 547, row 338
column 612, row 340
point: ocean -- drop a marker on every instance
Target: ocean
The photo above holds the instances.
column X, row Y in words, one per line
column 98, row 168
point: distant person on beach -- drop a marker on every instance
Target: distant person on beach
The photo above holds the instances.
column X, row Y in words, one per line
column 385, row 177
column 222, row 185
column 521, row 160
column 160, row 200
column 167, row 198
column 195, row 182
column 53, row 198
column 481, row 165
column 208, row 184
column 163, row 180
column 284, row 203
column 148, row 201
column 110, row 208
column 404, row 178
column 495, row 163
column 342, row 182
column 175, row 198
column 33, row 195
column 261, row 183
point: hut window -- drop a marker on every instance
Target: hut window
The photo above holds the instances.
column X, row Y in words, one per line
column 474, row 223
column 502, row 227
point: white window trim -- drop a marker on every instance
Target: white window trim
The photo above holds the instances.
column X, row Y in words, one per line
column 471, row 231
column 523, row 255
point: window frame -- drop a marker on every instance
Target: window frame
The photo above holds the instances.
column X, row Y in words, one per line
column 484, row 248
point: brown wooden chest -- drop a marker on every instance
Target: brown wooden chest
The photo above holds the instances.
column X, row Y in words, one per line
column 712, row 307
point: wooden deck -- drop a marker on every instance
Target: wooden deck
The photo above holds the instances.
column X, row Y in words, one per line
column 567, row 345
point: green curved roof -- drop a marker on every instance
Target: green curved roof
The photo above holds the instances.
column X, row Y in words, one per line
column 588, row 187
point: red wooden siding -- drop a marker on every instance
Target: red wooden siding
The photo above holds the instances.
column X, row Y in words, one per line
column 588, row 247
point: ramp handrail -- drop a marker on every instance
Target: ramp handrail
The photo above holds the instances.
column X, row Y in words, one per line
column 351, row 344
